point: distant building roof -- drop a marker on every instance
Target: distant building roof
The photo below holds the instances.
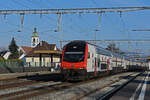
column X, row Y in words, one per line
column 42, row 46
column 7, row 54
column 148, row 58
column 2, row 53
column 26, row 49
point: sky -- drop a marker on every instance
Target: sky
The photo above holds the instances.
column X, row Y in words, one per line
column 76, row 26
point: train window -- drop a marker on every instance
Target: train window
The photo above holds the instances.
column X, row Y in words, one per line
column 103, row 66
column 88, row 54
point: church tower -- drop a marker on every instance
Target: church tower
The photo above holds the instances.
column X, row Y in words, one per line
column 35, row 38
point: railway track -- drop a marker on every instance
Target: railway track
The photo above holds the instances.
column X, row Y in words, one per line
column 93, row 91
column 27, row 93
column 12, row 87
column 108, row 94
column 33, row 89
column 24, row 94
column 83, row 90
column 19, row 84
column 9, row 80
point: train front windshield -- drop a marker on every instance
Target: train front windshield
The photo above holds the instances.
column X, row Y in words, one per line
column 74, row 52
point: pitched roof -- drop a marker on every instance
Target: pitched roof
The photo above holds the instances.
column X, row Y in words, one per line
column 42, row 46
column 2, row 53
column 26, row 49
column 45, row 46
column 148, row 58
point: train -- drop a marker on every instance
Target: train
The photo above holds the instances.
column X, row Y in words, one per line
column 82, row 60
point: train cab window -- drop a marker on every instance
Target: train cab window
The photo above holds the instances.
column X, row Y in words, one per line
column 88, row 54
column 74, row 52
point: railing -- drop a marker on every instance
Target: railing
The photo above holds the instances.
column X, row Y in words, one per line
column 11, row 64
column 13, row 67
column 54, row 66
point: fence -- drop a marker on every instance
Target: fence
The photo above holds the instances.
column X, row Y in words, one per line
column 13, row 67
column 11, row 63
column 42, row 64
column 54, row 66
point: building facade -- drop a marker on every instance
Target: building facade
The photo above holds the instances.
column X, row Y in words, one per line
column 44, row 54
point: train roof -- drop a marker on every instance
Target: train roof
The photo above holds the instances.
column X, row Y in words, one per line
column 103, row 51
column 78, row 41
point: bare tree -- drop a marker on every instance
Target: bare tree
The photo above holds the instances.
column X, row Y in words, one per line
column 112, row 47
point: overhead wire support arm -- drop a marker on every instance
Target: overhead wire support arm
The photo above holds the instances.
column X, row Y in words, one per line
column 76, row 10
column 142, row 30
column 112, row 40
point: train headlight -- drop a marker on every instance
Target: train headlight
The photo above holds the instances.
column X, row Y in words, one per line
column 81, row 68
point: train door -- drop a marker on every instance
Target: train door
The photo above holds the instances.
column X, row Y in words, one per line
column 98, row 63
column 95, row 62
column 123, row 63
column 95, row 66
column 108, row 64
column 111, row 63
column 90, row 60
column 149, row 65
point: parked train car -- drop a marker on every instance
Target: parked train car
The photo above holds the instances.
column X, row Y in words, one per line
column 82, row 60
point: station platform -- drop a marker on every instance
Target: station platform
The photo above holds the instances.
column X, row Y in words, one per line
column 15, row 75
column 138, row 89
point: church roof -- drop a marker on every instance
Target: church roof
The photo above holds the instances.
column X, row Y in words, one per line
column 42, row 46
column 35, row 33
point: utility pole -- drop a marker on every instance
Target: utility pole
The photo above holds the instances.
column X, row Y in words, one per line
column 60, row 29
column 22, row 20
column 119, row 47
column 95, row 36
column 128, row 47
column 98, row 26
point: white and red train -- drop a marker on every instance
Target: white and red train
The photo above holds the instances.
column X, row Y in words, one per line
column 82, row 60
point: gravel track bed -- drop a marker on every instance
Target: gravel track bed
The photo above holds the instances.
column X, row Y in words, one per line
column 27, row 87
column 103, row 91
column 69, row 94
column 12, row 81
